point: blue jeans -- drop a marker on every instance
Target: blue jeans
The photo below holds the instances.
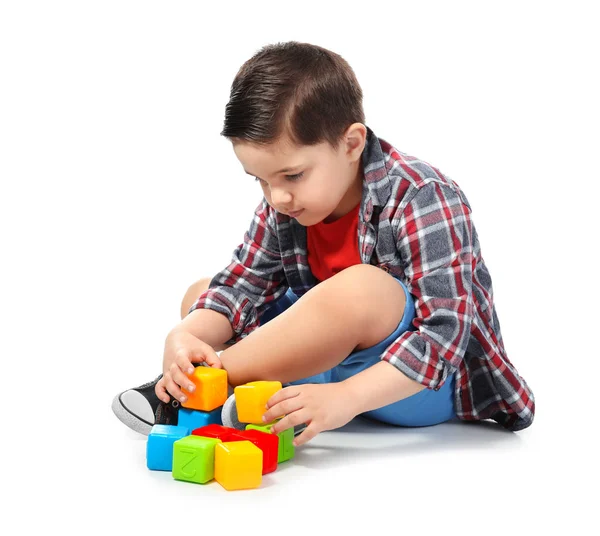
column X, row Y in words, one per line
column 424, row 408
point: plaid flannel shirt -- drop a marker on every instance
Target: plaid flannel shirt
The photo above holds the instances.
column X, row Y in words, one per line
column 414, row 223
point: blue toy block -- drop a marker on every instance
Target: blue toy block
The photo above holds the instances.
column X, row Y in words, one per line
column 193, row 418
column 159, row 448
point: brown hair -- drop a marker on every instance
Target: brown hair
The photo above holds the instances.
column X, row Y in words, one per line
column 298, row 90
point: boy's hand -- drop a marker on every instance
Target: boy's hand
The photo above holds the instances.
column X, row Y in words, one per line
column 321, row 406
column 181, row 350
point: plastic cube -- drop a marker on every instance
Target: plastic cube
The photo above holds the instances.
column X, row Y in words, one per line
column 265, row 441
column 194, row 459
column 159, row 446
column 251, row 400
column 194, row 418
column 286, row 446
column 216, row 430
column 238, row 465
column 211, row 389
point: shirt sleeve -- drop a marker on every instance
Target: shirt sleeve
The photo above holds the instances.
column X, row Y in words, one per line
column 254, row 278
column 436, row 249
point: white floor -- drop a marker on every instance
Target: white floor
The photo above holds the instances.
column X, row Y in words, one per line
column 372, row 476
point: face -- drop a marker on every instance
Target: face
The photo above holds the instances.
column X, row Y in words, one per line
column 322, row 182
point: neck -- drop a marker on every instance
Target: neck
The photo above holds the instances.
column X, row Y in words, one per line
column 352, row 197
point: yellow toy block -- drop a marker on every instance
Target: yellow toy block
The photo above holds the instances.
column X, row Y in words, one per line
column 211, row 389
column 238, row 465
column 251, row 400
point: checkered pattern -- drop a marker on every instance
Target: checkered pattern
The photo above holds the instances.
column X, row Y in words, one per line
column 414, row 223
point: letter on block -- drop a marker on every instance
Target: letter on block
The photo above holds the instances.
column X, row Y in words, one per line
column 159, row 447
column 238, row 465
column 286, row 446
column 265, row 441
column 211, row 389
column 194, row 459
column 251, row 399
column 193, row 418
column 216, row 430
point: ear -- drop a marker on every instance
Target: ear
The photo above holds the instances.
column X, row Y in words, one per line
column 355, row 139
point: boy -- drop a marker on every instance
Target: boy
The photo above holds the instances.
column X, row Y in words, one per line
column 361, row 266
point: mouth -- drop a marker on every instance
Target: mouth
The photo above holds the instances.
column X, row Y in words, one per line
column 295, row 214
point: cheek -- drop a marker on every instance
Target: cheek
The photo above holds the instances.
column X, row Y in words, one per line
column 320, row 197
column 266, row 192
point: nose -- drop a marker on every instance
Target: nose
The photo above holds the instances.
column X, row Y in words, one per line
column 280, row 199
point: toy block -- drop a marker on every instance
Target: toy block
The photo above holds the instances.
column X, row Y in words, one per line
column 265, row 441
column 251, row 400
column 215, row 430
column 286, row 446
column 238, row 465
column 194, row 459
column 159, row 446
column 211, row 389
column 193, row 418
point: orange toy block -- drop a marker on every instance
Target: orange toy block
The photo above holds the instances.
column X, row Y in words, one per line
column 251, row 400
column 211, row 389
column 238, row 465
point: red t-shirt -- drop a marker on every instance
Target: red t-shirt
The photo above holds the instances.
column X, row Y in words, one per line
column 332, row 247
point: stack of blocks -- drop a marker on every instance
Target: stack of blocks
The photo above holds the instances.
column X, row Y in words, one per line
column 199, row 449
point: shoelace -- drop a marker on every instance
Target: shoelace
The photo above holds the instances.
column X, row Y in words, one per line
column 150, row 383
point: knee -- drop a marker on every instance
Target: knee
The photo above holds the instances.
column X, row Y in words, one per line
column 360, row 271
column 364, row 280
column 374, row 295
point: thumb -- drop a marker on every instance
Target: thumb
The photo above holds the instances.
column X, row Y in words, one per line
column 204, row 352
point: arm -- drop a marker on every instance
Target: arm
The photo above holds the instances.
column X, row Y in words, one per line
column 331, row 405
column 229, row 309
column 254, row 278
column 390, row 386
column 435, row 243
column 209, row 326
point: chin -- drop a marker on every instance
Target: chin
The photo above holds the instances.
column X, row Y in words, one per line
column 307, row 222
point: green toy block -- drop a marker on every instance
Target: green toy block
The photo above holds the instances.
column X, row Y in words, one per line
column 194, row 459
column 286, row 447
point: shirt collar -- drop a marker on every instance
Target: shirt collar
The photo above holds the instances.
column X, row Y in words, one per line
column 374, row 165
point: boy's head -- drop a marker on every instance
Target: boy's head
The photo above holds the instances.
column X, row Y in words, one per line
column 296, row 104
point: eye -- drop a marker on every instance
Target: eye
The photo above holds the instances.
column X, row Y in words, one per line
column 291, row 178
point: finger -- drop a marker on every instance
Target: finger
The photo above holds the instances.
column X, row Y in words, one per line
column 183, row 360
column 180, row 370
column 309, row 433
column 281, row 395
column 282, row 408
column 207, row 354
column 289, row 421
column 181, row 379
column 161, row 391
column 174, row 389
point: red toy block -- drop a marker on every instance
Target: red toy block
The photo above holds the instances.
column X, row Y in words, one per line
column 217, row 431
column 268, row 443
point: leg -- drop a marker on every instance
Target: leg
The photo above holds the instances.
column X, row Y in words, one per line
column 191, row 296
column 355, row 309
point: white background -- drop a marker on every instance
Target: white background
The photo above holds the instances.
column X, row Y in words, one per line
column 117, row 192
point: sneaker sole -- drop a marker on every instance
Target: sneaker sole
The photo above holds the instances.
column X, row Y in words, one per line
column 129, row 419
